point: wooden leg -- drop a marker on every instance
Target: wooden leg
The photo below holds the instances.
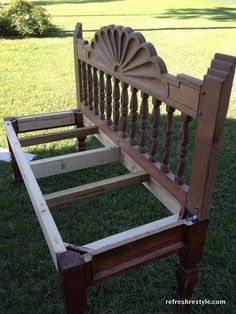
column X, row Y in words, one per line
column 187, row 271
column 16, row 175
column 81, row 144
column 71, row 268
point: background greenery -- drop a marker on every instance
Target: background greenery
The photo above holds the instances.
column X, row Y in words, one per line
column 37, row 75
column 24, row 19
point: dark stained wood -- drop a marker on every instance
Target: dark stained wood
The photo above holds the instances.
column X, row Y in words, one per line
column 90, row 87
column 71, row 269
column 95, row 90
column 144, row 122
column 85, row 83
column 212, row 112
column 189, row 258
column 139, row 252
column 16, row 174
column 168, row 139
column 78, row 74
column 134, row 115
column 102, row 95
column 155, row 128
column 124, row 109
column 116, row 105
column 182, row 149
column 108, row 99
column 81, row 144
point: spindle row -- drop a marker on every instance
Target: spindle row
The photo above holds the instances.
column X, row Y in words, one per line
column 117, row 104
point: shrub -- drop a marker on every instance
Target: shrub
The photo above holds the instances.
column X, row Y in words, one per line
column 25, row 19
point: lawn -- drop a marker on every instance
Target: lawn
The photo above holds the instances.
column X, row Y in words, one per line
column 37, row 75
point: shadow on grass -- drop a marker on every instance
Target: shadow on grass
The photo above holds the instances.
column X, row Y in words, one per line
column 52, row 2
column 219, row 14
column 67, row 33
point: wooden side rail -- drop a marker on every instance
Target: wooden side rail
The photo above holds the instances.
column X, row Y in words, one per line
column 48, row 226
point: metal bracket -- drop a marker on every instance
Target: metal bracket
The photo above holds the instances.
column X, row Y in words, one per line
column 193, row 218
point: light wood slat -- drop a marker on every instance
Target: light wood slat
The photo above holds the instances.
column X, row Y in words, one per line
column 75, row 161
column 134, row 234
column 58, row 136
column 48, row 226
column 95, row 188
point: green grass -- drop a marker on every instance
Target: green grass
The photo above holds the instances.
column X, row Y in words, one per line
column 37, row 75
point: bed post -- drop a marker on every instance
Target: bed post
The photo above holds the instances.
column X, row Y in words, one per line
column 16, row 175
column 213, row 106
column 71, row 269
column 81, row 146
column 187, row 271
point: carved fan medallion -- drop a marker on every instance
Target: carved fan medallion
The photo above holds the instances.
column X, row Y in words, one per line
column 123, row 51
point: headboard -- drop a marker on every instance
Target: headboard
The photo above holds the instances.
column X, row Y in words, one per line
column 122, row 85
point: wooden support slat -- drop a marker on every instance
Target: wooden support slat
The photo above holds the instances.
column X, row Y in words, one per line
column 75, row 161
column 48, row 226
column 45, row 121
column 58, row 136
column 95, row 188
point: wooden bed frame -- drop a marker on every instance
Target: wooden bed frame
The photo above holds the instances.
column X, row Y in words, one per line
column 119, row 79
